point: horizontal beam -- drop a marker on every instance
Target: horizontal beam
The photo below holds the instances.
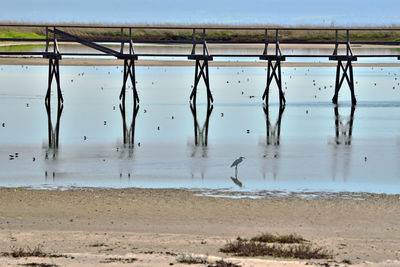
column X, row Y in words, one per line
column 190, row 55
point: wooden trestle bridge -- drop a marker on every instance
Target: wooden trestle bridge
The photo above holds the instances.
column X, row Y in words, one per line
column 270, row 39
column 56, row 34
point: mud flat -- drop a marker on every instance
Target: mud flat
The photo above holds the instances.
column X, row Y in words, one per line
column 153, row 227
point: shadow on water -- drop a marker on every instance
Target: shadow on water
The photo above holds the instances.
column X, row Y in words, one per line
column 51, row 150
column 342, row 142
column 271, row 146
column 199, row 148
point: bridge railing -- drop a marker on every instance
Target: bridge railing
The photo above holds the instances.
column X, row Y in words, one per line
column 195, row 36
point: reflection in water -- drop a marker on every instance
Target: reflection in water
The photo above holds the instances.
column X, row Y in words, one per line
column 344, row 126
column 200, row 133
column 128, row 132
column 342, row 143
column 199, row 149
column 235, row 164
column 53, row 136
column 272, row 142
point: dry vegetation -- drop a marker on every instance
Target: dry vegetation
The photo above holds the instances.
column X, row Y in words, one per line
column 28, row 252
column 286, row 246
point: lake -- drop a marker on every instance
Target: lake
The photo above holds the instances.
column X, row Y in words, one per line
column 310, row 145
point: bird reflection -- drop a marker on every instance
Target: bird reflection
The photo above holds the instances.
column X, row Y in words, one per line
column 199, row 149
column 271, row 147
column 342, row 142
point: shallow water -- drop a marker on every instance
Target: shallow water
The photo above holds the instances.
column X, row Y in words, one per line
column 309, row 146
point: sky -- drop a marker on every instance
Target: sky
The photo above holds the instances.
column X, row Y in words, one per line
column 246, row 12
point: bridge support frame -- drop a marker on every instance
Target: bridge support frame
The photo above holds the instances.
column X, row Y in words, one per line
column 54, row 73
column 344, row 72
column 274, row 72
column 201, row 71
column 129, row 72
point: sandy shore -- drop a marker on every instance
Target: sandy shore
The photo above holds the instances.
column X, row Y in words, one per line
column 155, row 226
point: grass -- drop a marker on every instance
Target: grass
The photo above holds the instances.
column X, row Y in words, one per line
column 283, row 239
column 199, row 260
column 20, row 35
column 191, row 260
column 222, row 263
column 28, row 252
column 38, row 264
column 284, row 246
column 216, row 35
column 255, row 249
column 97, row 245
column 122, row 260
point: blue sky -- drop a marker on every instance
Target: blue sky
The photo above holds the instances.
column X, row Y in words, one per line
column 283, row 12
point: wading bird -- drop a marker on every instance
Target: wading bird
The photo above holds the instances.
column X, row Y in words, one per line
column 236, row 163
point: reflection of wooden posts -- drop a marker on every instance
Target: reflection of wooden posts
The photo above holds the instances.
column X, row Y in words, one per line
column 344, row 131
column 128, row 133
column 273, row 132
column 201, row 133
column 53, row 132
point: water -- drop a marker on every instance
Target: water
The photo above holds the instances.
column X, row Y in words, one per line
column 305, row 147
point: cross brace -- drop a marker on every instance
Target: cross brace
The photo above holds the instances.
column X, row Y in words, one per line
column 129, row 72
column 342, row 73
column 274, row 72
column 201, row 71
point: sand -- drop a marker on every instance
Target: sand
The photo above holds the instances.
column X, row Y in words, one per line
column 156, row 226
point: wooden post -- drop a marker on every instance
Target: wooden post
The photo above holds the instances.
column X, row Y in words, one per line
column 54, row 71
column 343, row 73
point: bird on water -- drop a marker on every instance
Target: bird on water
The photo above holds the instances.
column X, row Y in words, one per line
column 236, row 163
